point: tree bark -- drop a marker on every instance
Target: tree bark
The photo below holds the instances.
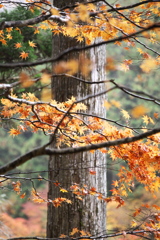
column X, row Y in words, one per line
column 90, row 214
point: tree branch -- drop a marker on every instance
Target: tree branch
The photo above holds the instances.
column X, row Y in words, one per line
column 46, row 151
column 77, row 49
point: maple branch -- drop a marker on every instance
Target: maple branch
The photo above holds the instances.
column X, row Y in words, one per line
column 131, row 92
column 103, row 144
column 77, row 49
column 22, row 159
column 22, row 23
column 43, row 150
column 100, row 236
column 121, row 14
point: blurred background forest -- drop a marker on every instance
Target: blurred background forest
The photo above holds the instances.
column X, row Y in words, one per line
column 31, row 217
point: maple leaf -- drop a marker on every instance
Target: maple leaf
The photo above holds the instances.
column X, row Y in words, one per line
column 92, row 172
column 115, row 183
column 18, row 45
column 32, row 44
column 63, row 190
column 139, row 111
column 23, row 195
column 133, row 223
column 46, row 78
column 137, row 212
column 148, row 65
column 145, row 119
column 56, row 184
column 14, row 132
column 124, row 67
column 9, row 36
column 38, row 200
column 46, row 95
column 25, row 80
column 125, row 114
column 74, row 230
column 156, row 115
column 24, row 55
column 54, row 11
column 140, row 50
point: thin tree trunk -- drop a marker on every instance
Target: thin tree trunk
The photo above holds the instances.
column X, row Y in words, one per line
column 89, row 214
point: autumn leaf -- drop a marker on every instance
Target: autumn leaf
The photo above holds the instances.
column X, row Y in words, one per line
column 92, row 172
column 25, row 80
column 156, row 115
column 133, row 223
column 18, row 45
column 148, row 65
column 23, row 195
column 124, row 67
column 145, row 119
column 125, row 114
column 24, row 55
column 32, row 44
column 107, row 104
column 13, row 132
column 137, row 212
column 139, row 111
column 38, row 200
column 45, row 78
column 46, row 95
column 63, row 190
column 74, row 230
column 56, row 184
column 54, row 11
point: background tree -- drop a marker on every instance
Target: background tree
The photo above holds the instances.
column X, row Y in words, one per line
column 89, row 215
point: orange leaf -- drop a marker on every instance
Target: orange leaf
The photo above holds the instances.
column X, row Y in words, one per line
column 23, row 195
column 18, row 45
column 92, row 172
column 24, row 55
column 139, row 111
column 25, row 80
column 14, row 132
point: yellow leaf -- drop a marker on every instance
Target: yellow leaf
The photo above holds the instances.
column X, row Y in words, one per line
column 74, row 230
column 140, row 50
column 125, row 114
column 32, row 44
column 115, row 103
column 54, row 11
column 145, row 119
column 46, row 95
column 38, row 200
column 148, row 65
column 107, row 104
column 46, row 78
column 63, row 190
column 139, row 111
column 70, row 67
column 124, row 67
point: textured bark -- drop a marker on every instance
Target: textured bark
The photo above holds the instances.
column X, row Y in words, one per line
column 89, row 215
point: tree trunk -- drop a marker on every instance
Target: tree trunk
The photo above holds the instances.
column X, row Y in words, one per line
column 90, row 214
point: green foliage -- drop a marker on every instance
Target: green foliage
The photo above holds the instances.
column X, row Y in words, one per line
column 23, row 35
